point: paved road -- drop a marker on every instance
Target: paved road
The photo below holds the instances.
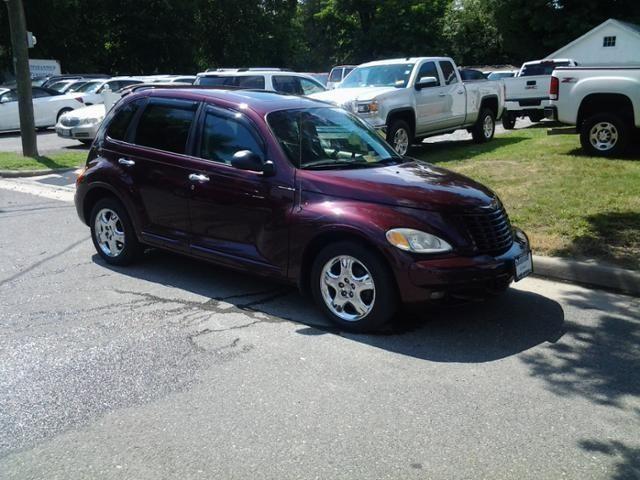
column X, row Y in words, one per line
column 175, row 369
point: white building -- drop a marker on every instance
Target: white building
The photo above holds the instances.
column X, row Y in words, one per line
column 613, row 42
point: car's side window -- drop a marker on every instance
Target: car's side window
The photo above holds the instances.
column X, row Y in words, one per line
column 287, row 84
column 336, row 75
column 39, row 93
column 448, row 73
column 117, row 129
column 223, row 136
column 250, row 81
column 10, row 96
column 309, row 87
column 428, row 69
column 165, row 126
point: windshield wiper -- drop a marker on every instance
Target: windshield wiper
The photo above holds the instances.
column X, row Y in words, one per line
column 328, row 164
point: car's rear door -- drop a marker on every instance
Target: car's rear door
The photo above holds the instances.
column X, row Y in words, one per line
column 430, row 101
column 455, row 104
column 238, row 217
column 9, row 117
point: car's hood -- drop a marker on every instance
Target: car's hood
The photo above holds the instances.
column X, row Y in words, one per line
column 92, row 111
column 414, row 184
column 340, row 96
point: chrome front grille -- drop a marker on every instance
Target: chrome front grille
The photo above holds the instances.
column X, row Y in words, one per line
column 489, row 230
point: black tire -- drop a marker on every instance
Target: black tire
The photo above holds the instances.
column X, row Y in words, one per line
column 132, row 248
column 479, row 134
column 508, row 120
column 394, row 128
column 615, row 126
column 385, row 302
column 536, row 117
column 62, row 112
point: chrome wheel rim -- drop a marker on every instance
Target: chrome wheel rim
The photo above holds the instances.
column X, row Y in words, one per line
column 603, row 136
column 109, row 232
column 347, row 288
column 401, row 141
column 487, row 126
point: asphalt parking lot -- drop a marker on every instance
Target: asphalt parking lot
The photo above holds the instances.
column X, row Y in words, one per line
column 173, row 368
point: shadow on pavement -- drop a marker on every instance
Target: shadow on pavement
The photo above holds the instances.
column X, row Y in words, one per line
column 628, row 464
column 469, row 333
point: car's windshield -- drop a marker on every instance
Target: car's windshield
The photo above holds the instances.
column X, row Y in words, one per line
column 90, row 87
column 329, row 138
column 390, row 75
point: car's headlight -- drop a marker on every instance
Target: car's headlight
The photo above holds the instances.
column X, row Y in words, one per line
column 368, row 107
column 416, row 241
column 90, row 121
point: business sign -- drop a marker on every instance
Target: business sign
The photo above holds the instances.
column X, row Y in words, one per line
column 41, row 68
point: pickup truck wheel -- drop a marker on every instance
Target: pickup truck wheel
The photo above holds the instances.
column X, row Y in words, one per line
column 485, row 127
column 400, row 136
column 508, row 120
column 353, row 287
column 604, row 134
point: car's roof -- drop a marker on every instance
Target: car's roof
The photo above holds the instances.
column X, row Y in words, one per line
column 251, row 73
column 260, row 101
column 402, row 61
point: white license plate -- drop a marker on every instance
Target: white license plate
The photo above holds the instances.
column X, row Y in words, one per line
column 65, row 133
column 524, row 266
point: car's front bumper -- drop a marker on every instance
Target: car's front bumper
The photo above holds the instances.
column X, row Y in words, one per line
column 80, row 132
column 428, row 280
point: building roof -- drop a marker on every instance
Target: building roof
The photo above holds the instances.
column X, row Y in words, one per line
column 630, row 27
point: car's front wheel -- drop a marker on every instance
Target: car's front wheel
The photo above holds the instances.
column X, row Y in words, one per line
column 113, row 234
column 400, row 136
column 353, row 287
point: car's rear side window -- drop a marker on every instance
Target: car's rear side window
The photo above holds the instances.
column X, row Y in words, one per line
column 336, row 75
column 287, row 84
column 250, row 81
column 117, row 129
column 214, row 81
column 449, row 73
column 223, row 136
column 165, row 127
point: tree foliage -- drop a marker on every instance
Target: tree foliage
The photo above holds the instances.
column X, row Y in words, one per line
column 169, row 36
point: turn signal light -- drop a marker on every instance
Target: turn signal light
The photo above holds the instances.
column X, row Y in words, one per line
column 554, row 88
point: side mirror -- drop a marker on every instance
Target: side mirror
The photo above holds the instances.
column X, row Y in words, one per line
column 426, row 82
column 247, row 160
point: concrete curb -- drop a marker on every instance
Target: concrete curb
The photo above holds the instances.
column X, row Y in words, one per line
column 588, row 273
column 33, row 173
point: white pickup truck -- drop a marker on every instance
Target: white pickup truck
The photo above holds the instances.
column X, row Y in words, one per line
column 527, row 94
column 414, row 98
column 602, row 102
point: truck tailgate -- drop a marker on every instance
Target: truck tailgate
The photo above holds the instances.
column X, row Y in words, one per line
column 528, row 91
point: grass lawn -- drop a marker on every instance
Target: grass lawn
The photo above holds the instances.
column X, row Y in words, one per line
column 570, row 205
column 15, row 161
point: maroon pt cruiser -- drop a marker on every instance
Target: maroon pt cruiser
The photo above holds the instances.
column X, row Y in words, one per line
column 296, row 190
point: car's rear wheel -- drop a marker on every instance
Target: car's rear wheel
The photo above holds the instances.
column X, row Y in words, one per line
column 485, row 126
column 508, row 120
column 112, row 233
column 400, row 136
column 353, row 287
column 604, row 134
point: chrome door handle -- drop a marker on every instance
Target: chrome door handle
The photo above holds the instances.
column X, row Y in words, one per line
column 197, row 177
column 126, row 162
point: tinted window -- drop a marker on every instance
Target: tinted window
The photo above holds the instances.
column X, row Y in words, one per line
column 286, row 84
column 544, row 68
column 214, row 81
column 347, row 71
column 223, row 136
column 184, row 80
column 10, row 96
column 165, row 127
column 448, row 73
column 336, row 75
column 469, row 74
column 428, row 69
column 117, row 129
column 40, row 92
column 309, row 87
column 250, row 81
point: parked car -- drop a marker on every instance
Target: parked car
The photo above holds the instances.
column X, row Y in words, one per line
column 301, row 192
column 337, row 74
column 603, row 104
column 90, row 92
column 321, row 77
column 527, row 94
column 48, row 106
column 259, row 79
column 414, row 98
column 81, row 124
column 185, row 79
column 500, row 74
column 72, row 76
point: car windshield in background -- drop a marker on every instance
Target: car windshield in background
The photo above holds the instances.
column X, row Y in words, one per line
column 499, row 75
column 329, row 138
column 545, row 68
column 392, row 75
column 89, row 87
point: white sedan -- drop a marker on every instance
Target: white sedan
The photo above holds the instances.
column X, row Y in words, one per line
column 48, row 106
column 81, row 124
column 91, row 92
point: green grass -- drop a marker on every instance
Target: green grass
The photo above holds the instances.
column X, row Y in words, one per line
column 569, row 204
column 14, row 161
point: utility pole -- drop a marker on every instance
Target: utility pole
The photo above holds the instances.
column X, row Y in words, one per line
column 18, row 28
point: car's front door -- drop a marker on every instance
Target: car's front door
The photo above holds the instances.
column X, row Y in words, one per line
column 154, row 163
column 238, row 217
column 430, row 101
